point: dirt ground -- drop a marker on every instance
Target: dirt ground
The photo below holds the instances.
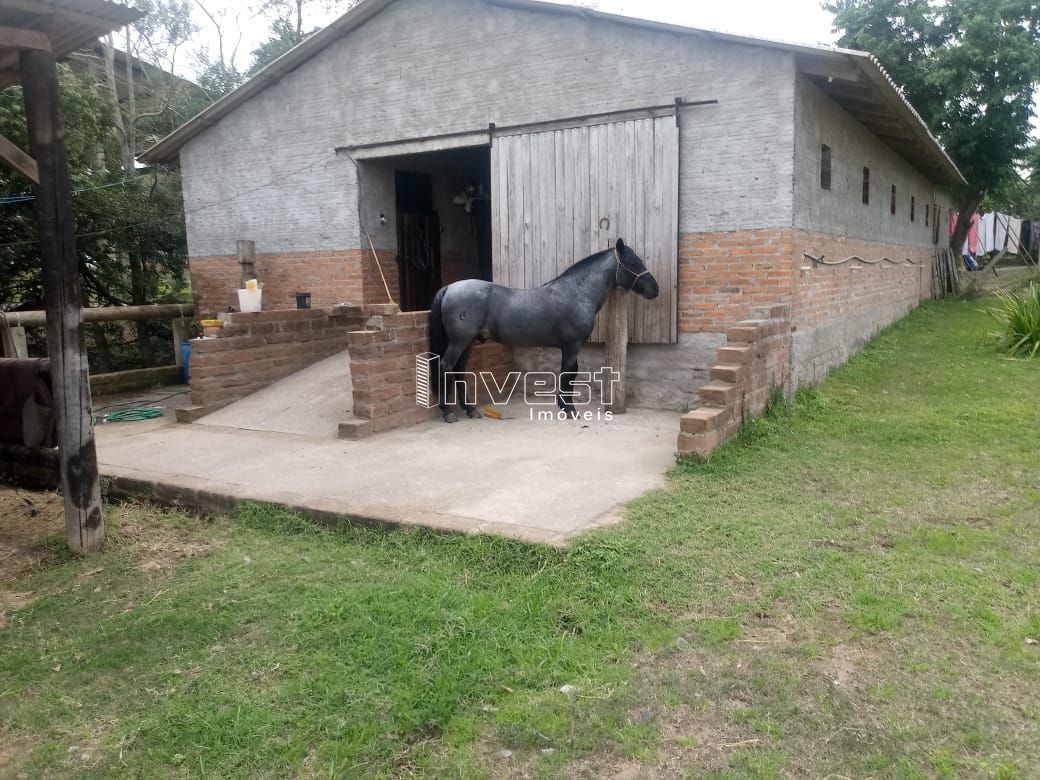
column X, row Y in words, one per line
column 27, row 519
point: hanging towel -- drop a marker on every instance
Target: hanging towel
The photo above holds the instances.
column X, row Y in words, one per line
column 986, row 233
column 1000, row 231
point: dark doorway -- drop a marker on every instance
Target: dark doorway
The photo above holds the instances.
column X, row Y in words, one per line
column 418, row 240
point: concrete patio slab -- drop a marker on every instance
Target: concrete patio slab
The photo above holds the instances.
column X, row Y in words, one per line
column 542, row 481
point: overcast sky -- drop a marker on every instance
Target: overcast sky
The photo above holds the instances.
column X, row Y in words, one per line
column 796, row 21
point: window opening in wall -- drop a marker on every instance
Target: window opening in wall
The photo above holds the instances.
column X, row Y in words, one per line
column 927, row 209
column 912, row 206
column 892, row 205
column 825, row 167
column 866, row 186
column 935, row 223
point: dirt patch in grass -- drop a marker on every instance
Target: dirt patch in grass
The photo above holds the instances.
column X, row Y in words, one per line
column 32, row 524
column 14, row 750
column 27, row 519
column 161, row 547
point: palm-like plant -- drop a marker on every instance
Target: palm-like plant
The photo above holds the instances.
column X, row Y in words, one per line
column 1019, row 318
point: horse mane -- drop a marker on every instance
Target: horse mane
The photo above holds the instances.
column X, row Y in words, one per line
column 579, row 267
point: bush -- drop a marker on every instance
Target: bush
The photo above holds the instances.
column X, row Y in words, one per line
column 1019, row 318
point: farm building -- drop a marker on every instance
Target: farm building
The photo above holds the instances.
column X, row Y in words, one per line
column 507, row 139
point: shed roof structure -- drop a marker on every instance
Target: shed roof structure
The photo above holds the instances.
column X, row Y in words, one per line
column 62, row 26
column 853, row 79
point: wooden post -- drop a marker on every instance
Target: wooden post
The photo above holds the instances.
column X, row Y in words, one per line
column 180, row 334
column 77, row 455
column 246, row 258
column 616, row 320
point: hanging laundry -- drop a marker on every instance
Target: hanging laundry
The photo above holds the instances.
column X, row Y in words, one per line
column 1000, row 231
column 986, row 233
column 1014, row 231
column 971, row 241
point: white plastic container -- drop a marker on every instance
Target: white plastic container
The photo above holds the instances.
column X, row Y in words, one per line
column 249, row 300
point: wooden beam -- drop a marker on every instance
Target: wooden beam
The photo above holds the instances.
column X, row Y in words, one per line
column 846, row 88
column 19, row 160
column 830, row 71
column 22, row 38
column 616, row 319
column 62, row 294
column 150, row 311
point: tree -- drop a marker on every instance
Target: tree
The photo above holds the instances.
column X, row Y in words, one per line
column 219, row 75
column 119, row 214
column 283, row 37
column 969, row 67
column 287, row 27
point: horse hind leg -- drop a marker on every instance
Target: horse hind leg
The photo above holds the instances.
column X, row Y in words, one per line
column 460, row 367
column 448, row 365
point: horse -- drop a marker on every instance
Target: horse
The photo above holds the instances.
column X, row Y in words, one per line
column 561, row 313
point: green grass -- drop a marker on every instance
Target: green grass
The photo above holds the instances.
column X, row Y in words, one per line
column 847, row 589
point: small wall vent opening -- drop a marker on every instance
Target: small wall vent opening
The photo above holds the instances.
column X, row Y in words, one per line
column 866, row 186
column 892, row 205
column 825, row 167
column 912, row 207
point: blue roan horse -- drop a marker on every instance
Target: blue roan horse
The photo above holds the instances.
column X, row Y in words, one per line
column 560, row 313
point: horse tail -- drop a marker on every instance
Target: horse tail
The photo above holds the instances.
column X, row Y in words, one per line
column 438, row 335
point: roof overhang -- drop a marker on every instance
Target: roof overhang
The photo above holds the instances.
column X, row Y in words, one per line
column 857, row 82
column 67, row 24
column 854, row 79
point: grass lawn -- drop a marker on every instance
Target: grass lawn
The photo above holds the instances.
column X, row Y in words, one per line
column 852, row 589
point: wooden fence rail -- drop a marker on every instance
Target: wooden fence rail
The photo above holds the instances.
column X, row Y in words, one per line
column 180, row 314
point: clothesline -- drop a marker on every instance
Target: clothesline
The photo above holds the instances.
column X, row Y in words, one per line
column 994, row 232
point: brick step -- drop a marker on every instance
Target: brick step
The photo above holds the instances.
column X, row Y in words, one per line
column 727, row 372
column 732, row 354
column 719, row 393
column 705, row 419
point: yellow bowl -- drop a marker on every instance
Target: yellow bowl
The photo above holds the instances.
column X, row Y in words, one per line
column 212, row 323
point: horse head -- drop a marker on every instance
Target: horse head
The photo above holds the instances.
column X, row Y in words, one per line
column 632, row 273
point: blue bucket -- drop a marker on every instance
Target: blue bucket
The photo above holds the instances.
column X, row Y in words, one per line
column 186, row 360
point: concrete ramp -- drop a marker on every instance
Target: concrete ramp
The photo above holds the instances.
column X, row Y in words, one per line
column 311, row 402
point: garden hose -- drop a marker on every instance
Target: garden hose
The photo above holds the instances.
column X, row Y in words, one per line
column 143, row 410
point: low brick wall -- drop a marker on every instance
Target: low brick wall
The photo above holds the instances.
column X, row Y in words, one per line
column 257, row 349
column 382, row 369
column 755, row 359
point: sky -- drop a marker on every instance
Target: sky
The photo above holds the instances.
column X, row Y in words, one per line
column 795, row 21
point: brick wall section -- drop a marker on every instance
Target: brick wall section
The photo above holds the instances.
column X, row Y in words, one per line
column 332, row 278
column 257, row 349
column 382, row 367
column 825, row 292
column 722, row 276
column 754, row 360
column 373, row 291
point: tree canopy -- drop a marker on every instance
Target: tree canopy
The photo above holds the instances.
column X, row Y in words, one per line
column 969, row 67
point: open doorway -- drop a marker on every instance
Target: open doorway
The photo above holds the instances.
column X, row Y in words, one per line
column 418, row 239
column 442, row 218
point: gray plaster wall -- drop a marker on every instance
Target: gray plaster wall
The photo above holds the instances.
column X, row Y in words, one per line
column 840, row 210
column 817, row 350
column 660, row 376
column 268, row 171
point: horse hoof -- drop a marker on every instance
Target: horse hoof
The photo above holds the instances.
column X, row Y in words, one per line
column 450, row 417
column 474, row 414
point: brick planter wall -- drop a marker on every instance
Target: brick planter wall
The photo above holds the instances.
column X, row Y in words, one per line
column 382, row 368
column 754, row 360
column 257, row 349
